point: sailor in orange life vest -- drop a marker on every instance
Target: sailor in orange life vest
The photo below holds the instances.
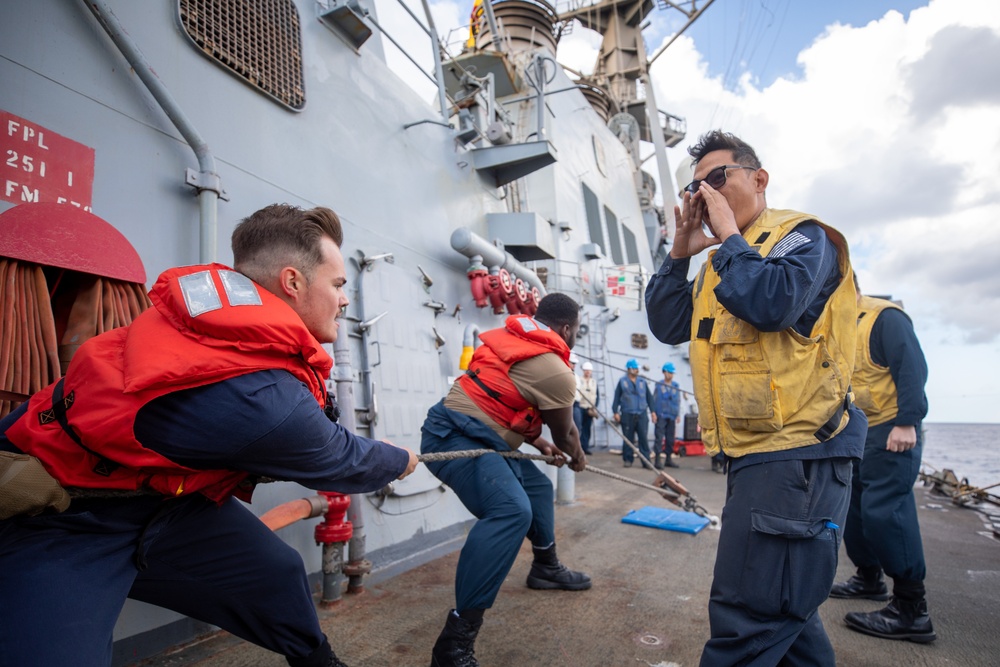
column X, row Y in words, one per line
column 220, row 382
column 771, row 320
column 518, row 379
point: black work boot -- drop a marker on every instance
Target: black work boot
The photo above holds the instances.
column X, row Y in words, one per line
column 321, row 657
column 454, row 646
column 549, row 574
column 900, row 619
column 670, row 460
column 861, row 586
column 656, row 462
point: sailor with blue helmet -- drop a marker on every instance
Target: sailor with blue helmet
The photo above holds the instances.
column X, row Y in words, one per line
column 632, row 398
column 667, row 408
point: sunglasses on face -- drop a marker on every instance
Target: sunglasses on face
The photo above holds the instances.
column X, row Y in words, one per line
column 716, row 178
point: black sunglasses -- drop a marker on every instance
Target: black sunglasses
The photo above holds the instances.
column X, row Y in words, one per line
column 716, row 178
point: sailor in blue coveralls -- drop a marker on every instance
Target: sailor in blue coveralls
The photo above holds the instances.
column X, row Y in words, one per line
column 667, row 407
column 632, row 398
column 882, row 531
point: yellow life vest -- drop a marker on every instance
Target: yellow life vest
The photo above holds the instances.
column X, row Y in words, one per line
column 874, row 389
column 762, row 391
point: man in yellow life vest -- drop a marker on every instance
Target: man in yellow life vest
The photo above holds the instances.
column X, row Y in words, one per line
column 771, row 320
column 882, row 533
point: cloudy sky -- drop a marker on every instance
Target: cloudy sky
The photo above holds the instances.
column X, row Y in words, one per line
column 882, row 118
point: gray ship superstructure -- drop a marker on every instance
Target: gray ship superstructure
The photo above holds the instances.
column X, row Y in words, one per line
column 172, row 120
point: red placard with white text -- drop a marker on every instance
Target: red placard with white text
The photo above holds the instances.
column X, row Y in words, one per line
column 39, row 165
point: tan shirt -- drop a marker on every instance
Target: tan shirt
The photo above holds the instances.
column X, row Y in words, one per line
column 544, row 381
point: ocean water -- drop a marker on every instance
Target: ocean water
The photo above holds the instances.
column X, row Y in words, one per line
column 970, row 450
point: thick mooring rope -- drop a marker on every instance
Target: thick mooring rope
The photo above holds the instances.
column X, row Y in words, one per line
column 475, row 453
column 686, row 502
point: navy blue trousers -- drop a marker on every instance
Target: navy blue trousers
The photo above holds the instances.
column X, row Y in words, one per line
column 882, row 528
column 664, row 434
column 635, row 427
column 583, row 423
column 65, row 577
column 512, row 499
column 776, row 561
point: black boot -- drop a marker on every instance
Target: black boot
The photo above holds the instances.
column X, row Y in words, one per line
column 670, row 460
column 548, row 573
column 900, row 619
column 321, row 657
column 656, row 462
column 454, row 646
column 861, row 586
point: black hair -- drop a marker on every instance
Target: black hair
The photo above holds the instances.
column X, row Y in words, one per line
column 557, row 309
column 717, row 140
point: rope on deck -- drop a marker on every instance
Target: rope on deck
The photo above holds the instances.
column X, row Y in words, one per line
column 683, row 499
column 476, row 453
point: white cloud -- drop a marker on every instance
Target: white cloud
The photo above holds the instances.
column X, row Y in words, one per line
column 889, row 133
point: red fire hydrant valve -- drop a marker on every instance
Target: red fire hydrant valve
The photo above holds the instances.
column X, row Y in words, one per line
column 334, row 527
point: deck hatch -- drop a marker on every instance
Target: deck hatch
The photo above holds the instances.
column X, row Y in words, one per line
column 259, row 41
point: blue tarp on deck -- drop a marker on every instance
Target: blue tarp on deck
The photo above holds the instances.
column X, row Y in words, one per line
column 659, row 517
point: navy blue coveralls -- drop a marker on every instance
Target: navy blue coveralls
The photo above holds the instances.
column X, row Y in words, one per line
column 781, row 526
column 667, row 405
column 631, row 401
column 214, row 563
column 882, row 531
column 511, row 498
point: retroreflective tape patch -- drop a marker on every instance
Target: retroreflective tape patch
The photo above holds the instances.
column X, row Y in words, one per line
column 200, row 295
column 240, row 290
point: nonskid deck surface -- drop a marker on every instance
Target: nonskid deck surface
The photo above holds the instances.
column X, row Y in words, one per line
column 648, row 604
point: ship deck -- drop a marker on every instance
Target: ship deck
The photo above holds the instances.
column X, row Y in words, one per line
column 648, row 605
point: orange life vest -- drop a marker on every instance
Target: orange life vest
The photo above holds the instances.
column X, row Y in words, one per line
column 207, row 324
column 487, row 382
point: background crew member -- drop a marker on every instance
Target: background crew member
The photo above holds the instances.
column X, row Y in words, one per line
column 667, row 402
column 772, row 322
column 590, row 398
column 518, row 379
column 221, row 381
column 882, row 532
column 632, row 398
column 574, row 361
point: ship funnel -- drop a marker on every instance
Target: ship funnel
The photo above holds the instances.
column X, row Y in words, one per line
column 523, row 25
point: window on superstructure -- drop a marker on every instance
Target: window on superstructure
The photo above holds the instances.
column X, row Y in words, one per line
column 259, row 41
column 631, row 249
column 593, row 209
column 614, row 238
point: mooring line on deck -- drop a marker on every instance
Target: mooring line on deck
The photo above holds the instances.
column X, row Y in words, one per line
column 689, row 502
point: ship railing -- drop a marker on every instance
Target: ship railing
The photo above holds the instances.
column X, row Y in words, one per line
column 625, row 285
column 562, row 275
column 429, row 29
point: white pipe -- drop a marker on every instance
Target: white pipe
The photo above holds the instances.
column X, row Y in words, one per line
column 207, row 180
column 470, row 244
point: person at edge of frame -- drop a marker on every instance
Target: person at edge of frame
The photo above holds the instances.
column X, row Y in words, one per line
column 219, row 383
column 882, row 531
column 771, row 318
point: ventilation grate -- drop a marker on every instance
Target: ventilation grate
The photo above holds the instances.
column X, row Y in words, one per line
column 258, row 40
